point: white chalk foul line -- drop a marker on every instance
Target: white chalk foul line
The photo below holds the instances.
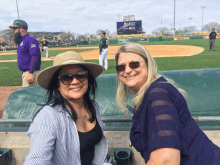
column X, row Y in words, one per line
column 1, row 68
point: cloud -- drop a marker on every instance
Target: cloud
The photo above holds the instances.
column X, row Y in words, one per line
column 167, row 16
column 57, row 15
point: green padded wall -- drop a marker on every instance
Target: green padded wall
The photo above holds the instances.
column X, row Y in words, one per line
column 152, row 39
column 113, row 41
column 110, row 42
column 133, row 40
column 167, row 39
column 202, row 86
column 94, row 42
column 196, row 37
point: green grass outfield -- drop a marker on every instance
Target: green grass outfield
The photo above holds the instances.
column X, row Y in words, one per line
column 11, row 76
column 52, row 53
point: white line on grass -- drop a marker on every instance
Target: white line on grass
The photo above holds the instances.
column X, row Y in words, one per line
column 1, row 68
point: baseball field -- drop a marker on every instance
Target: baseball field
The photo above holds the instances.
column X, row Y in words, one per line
column 169, row 55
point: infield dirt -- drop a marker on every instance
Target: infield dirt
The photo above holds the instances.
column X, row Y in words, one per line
column 155, row 51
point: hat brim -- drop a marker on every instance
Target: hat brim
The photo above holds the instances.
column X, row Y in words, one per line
column 16, row 26
column 13, row 26
column 45, row 76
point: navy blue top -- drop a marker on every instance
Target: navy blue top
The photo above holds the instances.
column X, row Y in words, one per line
column 27, row 48
column 164, row 121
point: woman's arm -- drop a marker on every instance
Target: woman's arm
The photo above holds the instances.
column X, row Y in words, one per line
column 164, row 156
column 42, row 134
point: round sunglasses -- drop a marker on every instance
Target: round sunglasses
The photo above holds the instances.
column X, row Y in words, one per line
column 66, row 79
column 132, row 65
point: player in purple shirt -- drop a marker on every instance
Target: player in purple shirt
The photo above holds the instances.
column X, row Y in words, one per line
column 29, row 55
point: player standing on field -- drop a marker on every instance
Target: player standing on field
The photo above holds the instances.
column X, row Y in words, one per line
column 212, row 37
column 3, row 46
column 29, row 56
column 45, row 45
column 103, row 47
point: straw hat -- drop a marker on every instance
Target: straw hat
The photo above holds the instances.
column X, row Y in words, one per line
column 63, row 59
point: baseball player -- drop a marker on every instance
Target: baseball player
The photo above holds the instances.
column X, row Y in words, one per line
column 103, row 46
column 3, row 46
column 45, row 45
column 212, row 37
column 28, row 53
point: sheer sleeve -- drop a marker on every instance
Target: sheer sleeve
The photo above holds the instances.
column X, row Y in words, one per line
column 162, row 128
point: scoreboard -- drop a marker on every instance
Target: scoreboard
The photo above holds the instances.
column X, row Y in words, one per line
column 129, row 27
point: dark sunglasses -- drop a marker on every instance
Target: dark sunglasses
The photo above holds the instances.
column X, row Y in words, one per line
column 15, row 28
column 132, row 65
column 66, row 79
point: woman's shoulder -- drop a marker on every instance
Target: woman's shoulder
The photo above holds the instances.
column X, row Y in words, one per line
column 161, row 85
column 51, row 109
column 48, row 112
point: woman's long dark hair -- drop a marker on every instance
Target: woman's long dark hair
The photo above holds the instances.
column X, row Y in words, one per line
column 59, row 100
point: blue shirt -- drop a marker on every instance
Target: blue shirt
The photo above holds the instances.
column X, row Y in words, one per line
column 164, row 121
column 55, row 141
column 28, row 47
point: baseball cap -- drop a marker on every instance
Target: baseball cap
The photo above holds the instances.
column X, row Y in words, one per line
column 19, row 24
column 213, row 28
column 103, row 32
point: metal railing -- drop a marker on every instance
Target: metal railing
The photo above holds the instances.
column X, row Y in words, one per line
column 104, row 119
column 113, row 119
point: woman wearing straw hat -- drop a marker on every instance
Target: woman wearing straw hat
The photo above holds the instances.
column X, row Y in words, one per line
column 68, row 130
column 163, row 130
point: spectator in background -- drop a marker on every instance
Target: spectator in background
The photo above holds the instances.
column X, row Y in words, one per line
column 45, row 45
column 29, row 55
column 212, row 37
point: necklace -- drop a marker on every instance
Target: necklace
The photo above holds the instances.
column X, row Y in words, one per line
column 83, row 116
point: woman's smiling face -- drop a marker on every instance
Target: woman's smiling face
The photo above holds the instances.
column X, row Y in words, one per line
column 133, row 78
column 76, row 89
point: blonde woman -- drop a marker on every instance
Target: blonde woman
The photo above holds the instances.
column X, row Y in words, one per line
column 163, row 130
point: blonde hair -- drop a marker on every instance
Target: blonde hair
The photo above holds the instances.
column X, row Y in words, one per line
column 123, row 91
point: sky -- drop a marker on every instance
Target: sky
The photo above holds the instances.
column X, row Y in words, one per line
column 77, row 15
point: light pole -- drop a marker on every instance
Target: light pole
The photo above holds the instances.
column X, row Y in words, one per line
column 190, row 24
column 17, row 9
column 203, row 7
column 174, row 18
column 89, row 33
